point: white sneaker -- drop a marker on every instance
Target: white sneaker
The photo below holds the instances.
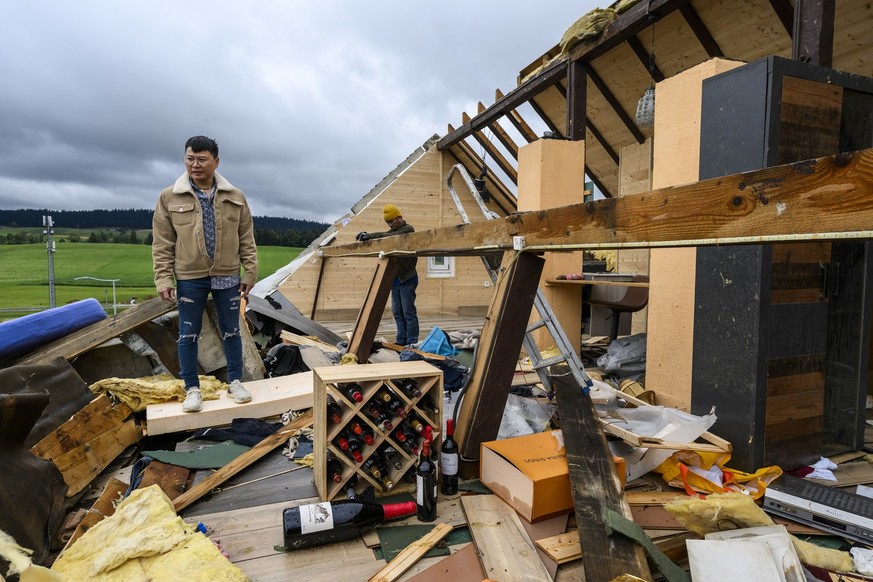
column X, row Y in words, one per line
column 193, row 401
column 238, row 392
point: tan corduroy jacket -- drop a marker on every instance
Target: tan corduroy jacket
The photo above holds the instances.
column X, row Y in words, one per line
column 179, row 247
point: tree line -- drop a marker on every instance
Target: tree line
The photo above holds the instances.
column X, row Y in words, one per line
column 120, row 226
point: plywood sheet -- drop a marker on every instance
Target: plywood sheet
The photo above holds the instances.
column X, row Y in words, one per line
column 270, row 397
column 505, row 550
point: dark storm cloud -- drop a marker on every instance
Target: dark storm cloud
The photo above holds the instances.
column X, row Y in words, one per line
column 311, row 103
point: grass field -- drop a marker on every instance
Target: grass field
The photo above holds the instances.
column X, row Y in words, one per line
column 24, row 273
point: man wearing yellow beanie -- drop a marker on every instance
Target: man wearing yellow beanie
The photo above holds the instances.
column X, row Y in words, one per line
column 406, row 281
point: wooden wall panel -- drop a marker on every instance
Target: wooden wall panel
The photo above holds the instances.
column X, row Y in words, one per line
column 676, row 159
column 424, row 199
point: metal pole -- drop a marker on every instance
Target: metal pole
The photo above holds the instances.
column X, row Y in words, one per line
column 114, row 302
column 50, row 249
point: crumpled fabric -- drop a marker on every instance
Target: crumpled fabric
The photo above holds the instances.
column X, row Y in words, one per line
column 140, row 392
column 863, row 560
column 823, row 469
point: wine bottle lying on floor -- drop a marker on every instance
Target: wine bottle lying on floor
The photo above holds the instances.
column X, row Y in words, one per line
column 334, row 521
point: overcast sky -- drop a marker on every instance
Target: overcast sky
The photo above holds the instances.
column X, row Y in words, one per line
column 312, row 102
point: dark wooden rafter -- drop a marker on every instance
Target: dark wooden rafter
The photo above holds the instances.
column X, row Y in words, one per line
column 501, row 202
column 813, row 38
column 577, row 97
column 704, row 37
column 824, row 199
column 506, row 199
column 600, row 185
column 501, row 135
column 616, row 106
column 645, row 58
column 785, row 12
column 517, row 120
column 495, row 154
column 545, row 79
column 594, row 131
column 361, row 340
column 545, row 118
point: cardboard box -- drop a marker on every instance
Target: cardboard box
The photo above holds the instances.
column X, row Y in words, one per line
column 530, row 473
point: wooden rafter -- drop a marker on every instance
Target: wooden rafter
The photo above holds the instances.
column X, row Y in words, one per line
column 616, row 106
column 499, row 202
column 593, row 130
column 495, row 154
column 830, row 198
column 506, row 202
column 704, row 37
column 545, row 118
column 501, row 135
column 517, row 121
column 645, row 58
column 511, row 100
column 785, row 12
column 597, row 182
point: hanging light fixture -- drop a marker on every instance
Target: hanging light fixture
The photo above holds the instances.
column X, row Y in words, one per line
column 646, row 107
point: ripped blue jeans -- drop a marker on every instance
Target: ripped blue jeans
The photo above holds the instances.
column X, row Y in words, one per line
column 191, row 298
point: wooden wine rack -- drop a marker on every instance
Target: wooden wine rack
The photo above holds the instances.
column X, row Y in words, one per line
column 370, row 377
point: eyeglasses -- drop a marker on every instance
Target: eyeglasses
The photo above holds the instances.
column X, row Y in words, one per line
column 201, row 160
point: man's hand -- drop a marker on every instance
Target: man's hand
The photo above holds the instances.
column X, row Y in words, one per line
column 362, row 236
column 168, row 294
column 244, row 289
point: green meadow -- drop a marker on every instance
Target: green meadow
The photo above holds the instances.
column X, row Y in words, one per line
column 24, row 273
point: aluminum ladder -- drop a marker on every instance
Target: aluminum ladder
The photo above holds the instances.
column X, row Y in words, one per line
column 566, row 353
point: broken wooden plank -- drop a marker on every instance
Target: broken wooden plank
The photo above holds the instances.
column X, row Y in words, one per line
column 95, row 334
column 172, row 479
column 270, row 397
column 595, row 487
column 411, row 554
column 373, row 307
column 80, row 465
column 499, row 345
column 829, row 198
column 96, row 418
column 256, row 452
column 398, row 348
column 292, row 338
column 103, row 507
column 505, row 551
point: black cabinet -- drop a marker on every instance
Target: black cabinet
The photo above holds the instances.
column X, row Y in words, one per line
column 782, row 331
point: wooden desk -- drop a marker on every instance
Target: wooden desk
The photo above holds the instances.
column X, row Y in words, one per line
column 596, row 283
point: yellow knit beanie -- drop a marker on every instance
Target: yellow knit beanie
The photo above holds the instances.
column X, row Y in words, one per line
column 390, row 212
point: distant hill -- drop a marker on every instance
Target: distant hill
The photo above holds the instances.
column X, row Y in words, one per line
column 136, row 218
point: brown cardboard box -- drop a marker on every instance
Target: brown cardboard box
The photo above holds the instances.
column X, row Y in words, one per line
column 530, row 473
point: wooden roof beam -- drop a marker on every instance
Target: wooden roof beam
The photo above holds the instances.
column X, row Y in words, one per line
column 814, row 32
column 507, row 205
column 646, row 59
column 495, row 154
column 830, row 198
column 517, row 120
column 704, row 37
column 594, row 131
column 513, row 99
column 501, row 135
column 785, row 12
column 629, row 123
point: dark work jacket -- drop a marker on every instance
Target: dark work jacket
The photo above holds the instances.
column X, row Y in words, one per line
column 405, row 264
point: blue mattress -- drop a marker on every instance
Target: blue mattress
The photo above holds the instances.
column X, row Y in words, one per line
column 25, row 334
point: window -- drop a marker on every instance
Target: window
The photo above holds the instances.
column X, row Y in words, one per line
column 441, row 267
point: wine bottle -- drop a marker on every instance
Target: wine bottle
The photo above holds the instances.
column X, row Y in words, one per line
column 354, row 450
column 334, row 412
column 416, row 424
column 409, row 387
column 342, row 440
column 396, row 407
column 425, row 403
column 352, row 390
column 333, row 521
column 334, row 470
column 350, row 487
column 378, row 414
column 371, row 467
column 356, row 426
column 384, row 394
column 425, row 485
column 449, row 461
column 392, row 457
column 367, row 435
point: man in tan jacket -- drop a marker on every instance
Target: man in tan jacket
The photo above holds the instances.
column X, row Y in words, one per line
column 203, row 233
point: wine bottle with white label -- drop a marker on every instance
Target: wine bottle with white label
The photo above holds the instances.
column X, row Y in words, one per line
column 333, row 521
column 449, row 461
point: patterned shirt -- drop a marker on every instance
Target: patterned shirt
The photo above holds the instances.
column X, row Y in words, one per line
column 207, row 204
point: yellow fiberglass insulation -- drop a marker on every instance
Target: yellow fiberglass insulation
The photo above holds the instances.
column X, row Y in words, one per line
column 724, row 511
column 140, row 392
column 144, row 540
column 586, row 28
